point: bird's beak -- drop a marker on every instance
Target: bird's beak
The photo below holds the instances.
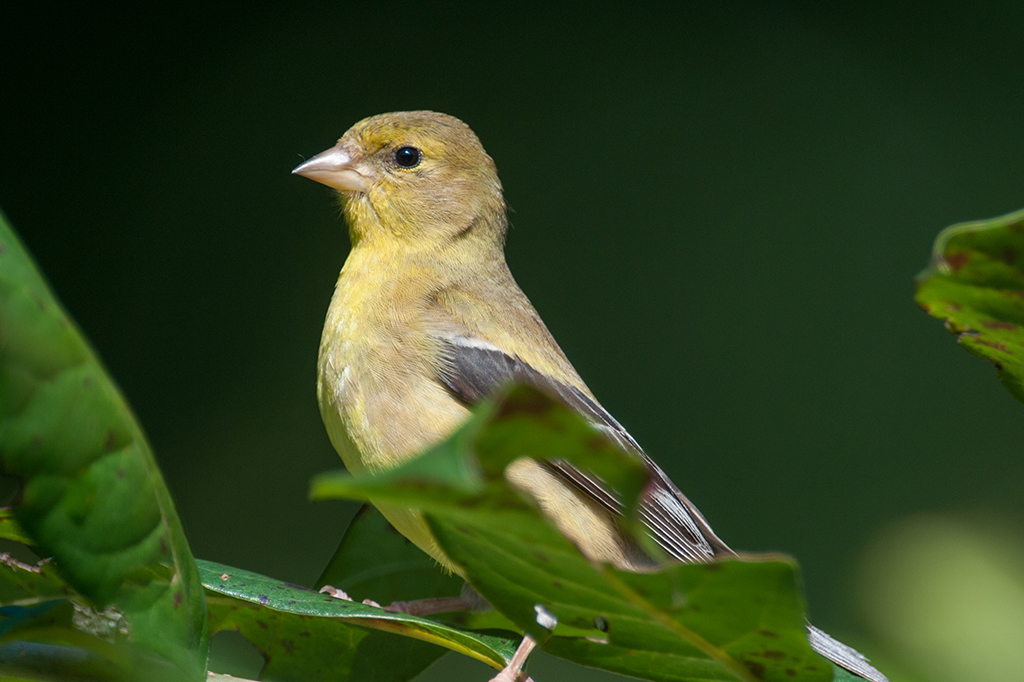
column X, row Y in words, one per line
column 334, row 168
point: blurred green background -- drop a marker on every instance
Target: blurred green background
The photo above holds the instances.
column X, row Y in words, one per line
column 718, row 211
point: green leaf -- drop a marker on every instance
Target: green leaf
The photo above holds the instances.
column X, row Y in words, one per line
column 305, row 635
column 92, row 496
column 375, row 561
column 726, row 621
column 10, row 530
column 976, row 284
column 47, row 634
column 733, row 620
column 69, row 653
column 25, row 584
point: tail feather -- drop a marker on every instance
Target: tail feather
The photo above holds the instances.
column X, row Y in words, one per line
column 842, row 655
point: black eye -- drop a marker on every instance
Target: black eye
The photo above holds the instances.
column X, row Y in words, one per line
column 407, row 157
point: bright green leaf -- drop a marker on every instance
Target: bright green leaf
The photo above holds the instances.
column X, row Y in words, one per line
column 92, row 497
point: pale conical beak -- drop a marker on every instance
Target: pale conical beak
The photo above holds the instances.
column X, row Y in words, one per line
column 333, row 168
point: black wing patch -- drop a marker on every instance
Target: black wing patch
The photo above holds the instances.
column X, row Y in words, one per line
column 473, row 370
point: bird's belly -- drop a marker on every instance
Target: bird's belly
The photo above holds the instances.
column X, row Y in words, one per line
column 376, row 426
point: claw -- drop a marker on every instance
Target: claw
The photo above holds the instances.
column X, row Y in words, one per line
column 335, row 592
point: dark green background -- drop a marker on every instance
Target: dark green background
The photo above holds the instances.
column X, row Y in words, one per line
column 718, row 212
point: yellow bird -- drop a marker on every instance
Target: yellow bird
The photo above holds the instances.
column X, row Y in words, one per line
column 426, row 319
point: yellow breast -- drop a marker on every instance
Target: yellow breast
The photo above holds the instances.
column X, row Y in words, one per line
column 379, row 399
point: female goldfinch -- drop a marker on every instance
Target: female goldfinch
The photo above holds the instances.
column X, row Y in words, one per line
column 426, row 319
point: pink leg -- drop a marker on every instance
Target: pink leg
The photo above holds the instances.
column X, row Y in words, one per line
column 514, row 670
column 427, row 607
column 469, row 600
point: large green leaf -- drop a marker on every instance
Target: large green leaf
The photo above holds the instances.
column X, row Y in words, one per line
column 976, row 284
column 305, row 635
column 92, row 497
column 735, row 620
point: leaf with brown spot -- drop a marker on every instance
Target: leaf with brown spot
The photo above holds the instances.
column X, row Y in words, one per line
column 998, row 324
column 756, row 668
column 976, row 283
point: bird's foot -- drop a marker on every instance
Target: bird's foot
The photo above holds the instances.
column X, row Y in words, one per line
column 341, row 594
column 416, row 607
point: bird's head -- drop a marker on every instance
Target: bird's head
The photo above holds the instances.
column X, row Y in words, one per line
column 416, row 177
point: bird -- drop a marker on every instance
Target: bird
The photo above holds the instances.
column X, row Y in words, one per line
column 426, row 319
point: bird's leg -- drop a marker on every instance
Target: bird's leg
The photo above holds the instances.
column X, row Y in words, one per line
column 428, row 607
column 513, row 672
column 341, row 594
column 468, row 600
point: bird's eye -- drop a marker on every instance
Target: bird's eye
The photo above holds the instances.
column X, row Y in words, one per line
column 407, row 157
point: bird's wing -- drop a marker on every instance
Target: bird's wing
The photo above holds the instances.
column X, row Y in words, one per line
column 472, row 369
